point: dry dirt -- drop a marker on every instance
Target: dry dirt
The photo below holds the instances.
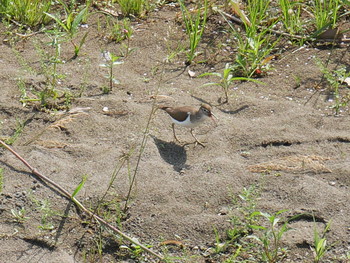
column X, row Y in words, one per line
column 281, row 136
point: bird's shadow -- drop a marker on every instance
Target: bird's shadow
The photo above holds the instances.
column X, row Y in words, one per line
column 221, row 104
column 172, row 153
column 234, row 111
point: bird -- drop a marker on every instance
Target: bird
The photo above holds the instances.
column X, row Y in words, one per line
column 190, row 117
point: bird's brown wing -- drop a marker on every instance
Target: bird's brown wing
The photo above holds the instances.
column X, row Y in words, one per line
column 179, row 113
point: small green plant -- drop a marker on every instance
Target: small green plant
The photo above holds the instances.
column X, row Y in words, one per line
column 335, row 78
column 270, row 236
column 195, row 25
column 254, row 48
column 236, row 240
column 128, row 31
column 80, row 185
column 29, row 94
column 18, row 131
column 326, row 14
column 132, row 7
column 227, row 79
column 47, row 213
column 173, row 51
column 297, row 79
column 291, row 11
column 111, row 61
column 320, row 242
column 19, row 215
column 71, row 24
column 48, row 96
column 31, row 13
column 135, row 251
column 219, row 245
column 51, row 69
column 119, row 29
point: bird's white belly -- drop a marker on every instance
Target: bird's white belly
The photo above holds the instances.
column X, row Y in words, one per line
column 187, row 123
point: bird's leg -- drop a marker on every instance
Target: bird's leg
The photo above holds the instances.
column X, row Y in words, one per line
column 197, row 141
column 173, row 125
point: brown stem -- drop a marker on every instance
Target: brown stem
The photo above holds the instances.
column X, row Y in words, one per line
column 70, row 197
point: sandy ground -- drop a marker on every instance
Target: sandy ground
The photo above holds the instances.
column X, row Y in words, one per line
column 282, row 136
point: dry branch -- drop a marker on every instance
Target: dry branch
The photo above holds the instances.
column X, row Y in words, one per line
column 76, row 202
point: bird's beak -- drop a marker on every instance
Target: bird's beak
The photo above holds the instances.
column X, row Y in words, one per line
column 213, row 117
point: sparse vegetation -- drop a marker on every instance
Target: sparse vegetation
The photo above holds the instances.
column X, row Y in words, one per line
column 270, row 236
column 335, row 79
column 18, row 131
column 228, row 42
column 195, row 25
column 70, row 25
column 291, row 11
column 47, row 213
column 320, row 242
column 19, row 215
column 111, row 60
column 258, row 42
column 119, row 29
column 326, row 14
column 132, row 7
column 28, row 13
column 226, row 80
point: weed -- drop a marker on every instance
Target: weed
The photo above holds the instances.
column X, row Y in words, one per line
column 320, row 242
column 19, row 215
column 236, row 236
column 70, row 25
column 173, row 51
column 24, row 63
column 326, row 14
column 111, row 61
column 297, row 81
column 28, row 12
column 18, row 131
column 195, row 25
column 253, row 224
column 24, row 98
column 46, row 216
column 52, row 75
column 291, row 11
column 128, row 31
column 119, row 30
column 270, row 236
column 226, row 79
column 255, row 47
column 132, row 7
column 48, row 96
column 47, row 213
column 132, row 177
column 335, row 78
column 80, row 186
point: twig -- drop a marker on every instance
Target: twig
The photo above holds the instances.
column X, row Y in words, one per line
column 82, row 207
column 142, row 148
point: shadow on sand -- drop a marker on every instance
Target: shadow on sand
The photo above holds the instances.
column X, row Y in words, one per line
column 172, row 153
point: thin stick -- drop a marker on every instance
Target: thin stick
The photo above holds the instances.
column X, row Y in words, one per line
column 142, row 148
column 82, row 207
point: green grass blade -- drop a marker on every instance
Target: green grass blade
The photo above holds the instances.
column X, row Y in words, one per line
column 77, row 190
